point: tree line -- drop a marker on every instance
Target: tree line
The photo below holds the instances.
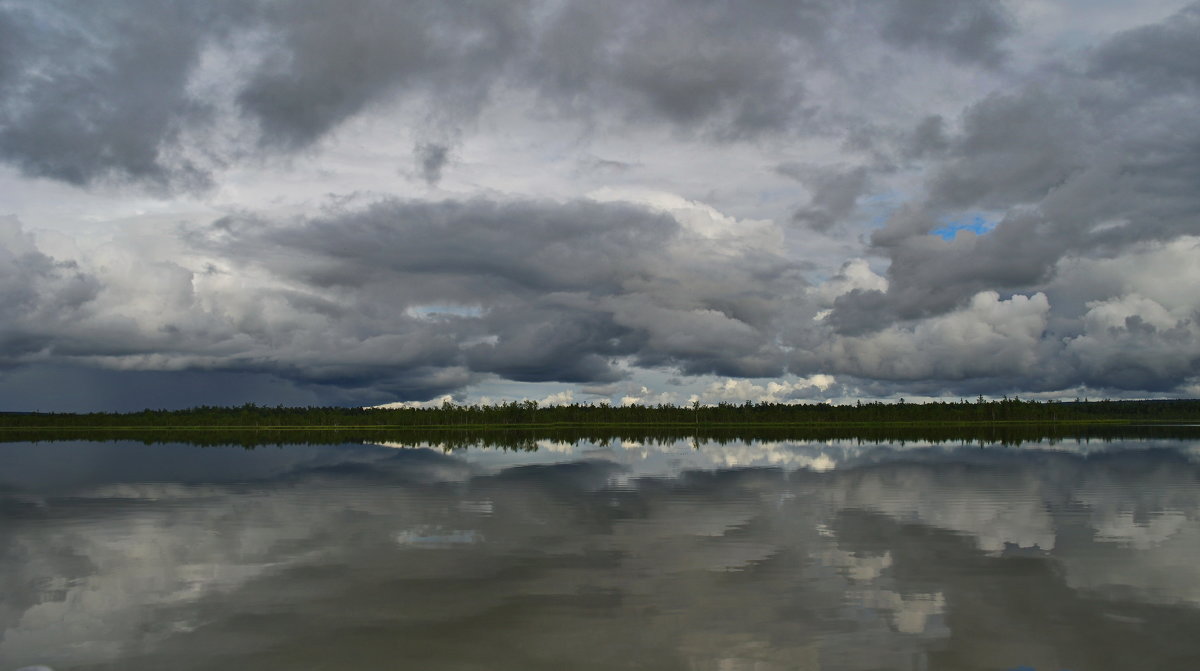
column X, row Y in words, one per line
column 531, row 414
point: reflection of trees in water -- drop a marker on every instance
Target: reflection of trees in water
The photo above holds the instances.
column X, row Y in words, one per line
column 528, row 438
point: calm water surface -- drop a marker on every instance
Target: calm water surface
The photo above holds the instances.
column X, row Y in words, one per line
column 626, row 556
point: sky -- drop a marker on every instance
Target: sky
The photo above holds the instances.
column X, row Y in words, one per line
column 645, row 201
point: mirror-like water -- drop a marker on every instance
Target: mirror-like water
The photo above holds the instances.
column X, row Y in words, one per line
column 818, row 555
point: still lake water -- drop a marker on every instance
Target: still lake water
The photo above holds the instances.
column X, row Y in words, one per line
column 818, row 555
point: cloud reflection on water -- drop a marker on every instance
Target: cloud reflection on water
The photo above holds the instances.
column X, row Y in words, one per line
column 831, row 556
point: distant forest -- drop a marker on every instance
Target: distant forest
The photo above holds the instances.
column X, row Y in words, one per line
column 530, row 414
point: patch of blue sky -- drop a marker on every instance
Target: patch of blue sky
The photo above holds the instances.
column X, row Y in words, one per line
column 879, row 207
column 975, row 222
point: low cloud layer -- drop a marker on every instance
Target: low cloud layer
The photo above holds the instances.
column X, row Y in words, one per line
column 416, row 299
column 405, row 301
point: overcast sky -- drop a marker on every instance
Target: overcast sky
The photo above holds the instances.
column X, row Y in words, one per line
column 646, row 200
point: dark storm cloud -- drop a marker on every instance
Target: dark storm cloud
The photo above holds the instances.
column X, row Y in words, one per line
column 860, row 311
column 98, row 91
column 431, row 160
column 931, row 276
column 928, row 138
column 399, row 300
column 1161, row 55
column 66, row 388
column 478, row 247
column 970, row 31
column 544, row 291
column 1014, row 149
column 101, row 90
column 329, row 62
column 605, row 166
column 37, row 294
column 407, row 300
column 709, row 67
column 835, row 193
column 552, row 344
column 13, row 41
column 106, row 91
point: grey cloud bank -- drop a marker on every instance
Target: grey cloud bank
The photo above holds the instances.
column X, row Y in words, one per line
column 384, row 201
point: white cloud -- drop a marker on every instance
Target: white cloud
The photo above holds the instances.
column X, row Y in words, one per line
column 644, row 396
column 565, row 397
column 738, row 390
column 854, row 274
column 989, row 337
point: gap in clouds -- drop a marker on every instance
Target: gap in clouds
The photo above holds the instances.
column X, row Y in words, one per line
column 976, row 223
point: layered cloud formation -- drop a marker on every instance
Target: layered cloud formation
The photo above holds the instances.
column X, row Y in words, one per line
column 376, row 202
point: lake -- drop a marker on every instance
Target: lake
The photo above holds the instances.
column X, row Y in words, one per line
column 688, row 555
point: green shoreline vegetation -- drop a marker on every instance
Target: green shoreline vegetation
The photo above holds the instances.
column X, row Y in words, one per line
column 520, row 425
column 529, row 413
